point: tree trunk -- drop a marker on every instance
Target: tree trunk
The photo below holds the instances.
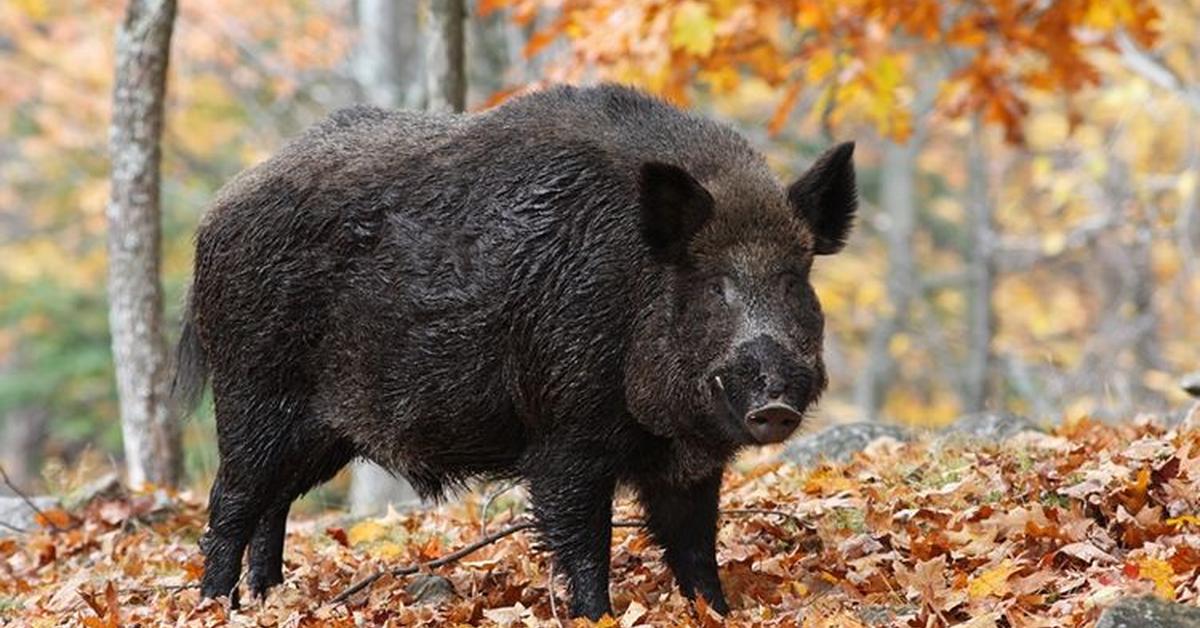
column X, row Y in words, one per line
column 445, row 76
column 135, row 313
column 981, row 274
column 489, row 54
column 388, row 64
column 897, row 201
column 22, row 433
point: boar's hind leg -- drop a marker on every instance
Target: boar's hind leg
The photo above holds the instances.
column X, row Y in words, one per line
column 572, row 500
column 312, row 459
column 252, row 438
column 683, row 521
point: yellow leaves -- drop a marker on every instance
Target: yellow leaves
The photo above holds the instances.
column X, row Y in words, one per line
column 992, row 582
column 1183, row 520
column 1108, row 14
column 386, row 550
column 366, row 532
column 819, row 66
column 827, row 481
column 693, row 30
column 1159, row 572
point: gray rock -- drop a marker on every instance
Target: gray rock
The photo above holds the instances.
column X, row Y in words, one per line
column 1136, row 612
column 839, row 442
column 430, row 589
column 15, row 513
column 989, row 426
column 107, row 486
column 1191, row 384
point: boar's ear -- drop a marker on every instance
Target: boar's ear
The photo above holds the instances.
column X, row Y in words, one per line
column 674, row 207
column 826, row 198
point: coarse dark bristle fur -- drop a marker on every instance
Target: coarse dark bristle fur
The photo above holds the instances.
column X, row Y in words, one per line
column 478, row 295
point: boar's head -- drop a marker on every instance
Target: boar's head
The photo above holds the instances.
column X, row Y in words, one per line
column 732, row 347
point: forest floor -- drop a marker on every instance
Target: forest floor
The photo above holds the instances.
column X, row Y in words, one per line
column 1045, row 529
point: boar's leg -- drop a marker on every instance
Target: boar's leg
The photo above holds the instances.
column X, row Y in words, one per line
column 572, row 500
column 252, row 438
column 683, row 520
column 266, row 549
column 313, row 460
column 233, row 510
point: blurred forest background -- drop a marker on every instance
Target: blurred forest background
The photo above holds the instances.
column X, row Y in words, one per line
column 1028, row 169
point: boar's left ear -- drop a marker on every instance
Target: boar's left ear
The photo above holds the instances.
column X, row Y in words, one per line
column 674, row 207
column 826, row 198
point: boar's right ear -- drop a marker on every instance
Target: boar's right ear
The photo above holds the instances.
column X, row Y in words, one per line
column 674, row 207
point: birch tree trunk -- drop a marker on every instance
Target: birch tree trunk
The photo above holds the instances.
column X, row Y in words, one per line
column 389, row 62
column 898, row 202
column 135, row 313
column 22, row 432
column 445, row 76
column 981, row 277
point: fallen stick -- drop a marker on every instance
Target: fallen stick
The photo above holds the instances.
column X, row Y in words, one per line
column 42, row 518
column 488, row 539
column 438, row 562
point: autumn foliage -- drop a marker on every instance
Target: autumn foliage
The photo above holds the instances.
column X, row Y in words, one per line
column 1045, row 530
column 867, row 57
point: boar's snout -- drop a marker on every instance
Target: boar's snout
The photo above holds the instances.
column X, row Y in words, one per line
column 764, row 390
column 773, row 423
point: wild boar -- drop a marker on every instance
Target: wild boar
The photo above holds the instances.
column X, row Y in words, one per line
column 582, row 288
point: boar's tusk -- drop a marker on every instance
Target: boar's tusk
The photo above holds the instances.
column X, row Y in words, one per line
column 725, row 397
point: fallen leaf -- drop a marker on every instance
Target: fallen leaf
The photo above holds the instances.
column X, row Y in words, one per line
column 992, row 582
column 366, row 532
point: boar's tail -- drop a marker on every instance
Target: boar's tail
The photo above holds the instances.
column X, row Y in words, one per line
column 191, row 365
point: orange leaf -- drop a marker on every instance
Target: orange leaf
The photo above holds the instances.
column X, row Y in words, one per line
column 544, row 37
column 784, row 110
column 339, row 535
column 114, row 606
column 54, row 518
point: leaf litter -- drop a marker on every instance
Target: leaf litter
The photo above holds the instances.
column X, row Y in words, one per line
column 1043, row 530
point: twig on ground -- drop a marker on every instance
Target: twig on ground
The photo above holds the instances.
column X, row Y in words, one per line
column 9, row 526
column 488, row 539
column 159, row 588
column 553, row 603
column 487, row 504
column 448, row 558
column 42, row 518
column 764, row 511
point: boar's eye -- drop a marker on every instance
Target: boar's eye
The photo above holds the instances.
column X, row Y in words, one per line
column 720, row 287
column 792, row 284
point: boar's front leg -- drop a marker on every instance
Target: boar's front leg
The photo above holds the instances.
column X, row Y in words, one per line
column 572, row 500
column 683, row 520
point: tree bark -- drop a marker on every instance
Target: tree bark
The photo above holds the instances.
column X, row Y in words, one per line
column 445, row 76
column 151, row 434
column 981, row 271
column 22, row 432
column 388, row 64
column 898, row 202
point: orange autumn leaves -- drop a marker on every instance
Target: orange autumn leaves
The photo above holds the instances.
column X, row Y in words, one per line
column 1044, row 530
column 858, row 60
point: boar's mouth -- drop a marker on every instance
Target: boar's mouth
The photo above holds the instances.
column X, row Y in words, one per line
column 771, row 423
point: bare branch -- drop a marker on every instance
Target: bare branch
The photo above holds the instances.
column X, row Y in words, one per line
column 42, row 518
column 1155, row 70
column 448, row 558
column 488, row 539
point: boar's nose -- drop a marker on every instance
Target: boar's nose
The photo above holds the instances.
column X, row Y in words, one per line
column 773, row 422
